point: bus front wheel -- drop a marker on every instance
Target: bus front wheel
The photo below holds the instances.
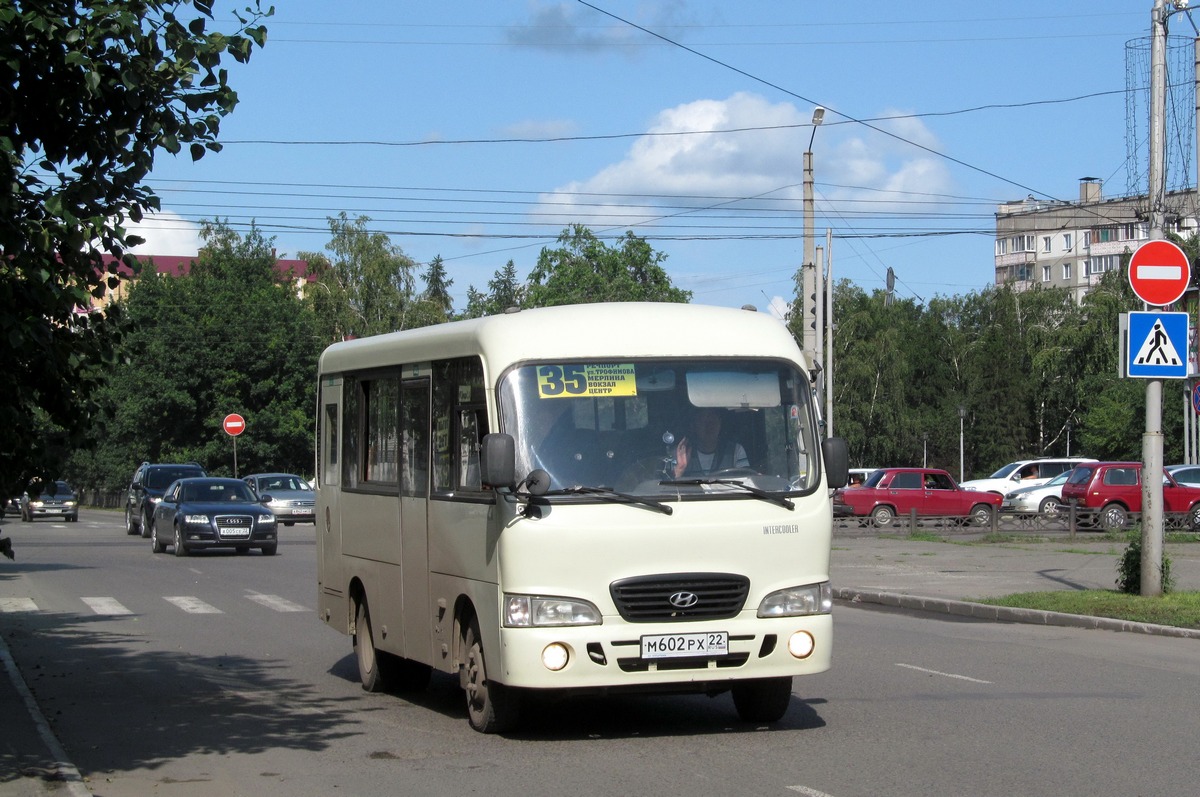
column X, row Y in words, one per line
column 370, row 673
column 491, row 707
column 762, row 699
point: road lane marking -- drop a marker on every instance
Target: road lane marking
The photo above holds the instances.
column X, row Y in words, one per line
column 193, row 605
column 943, row 674
column 10, row 605
column 275, row 602
column 105, row 606
column 807, row 792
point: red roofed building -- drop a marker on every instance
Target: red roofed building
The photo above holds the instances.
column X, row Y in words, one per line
column 286, row 270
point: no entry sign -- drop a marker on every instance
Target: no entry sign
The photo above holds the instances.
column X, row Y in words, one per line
column 233, row 424
column 1159, row 272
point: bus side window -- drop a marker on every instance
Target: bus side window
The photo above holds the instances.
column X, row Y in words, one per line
column 459, row 423
column 330, row 471
column 468, row 449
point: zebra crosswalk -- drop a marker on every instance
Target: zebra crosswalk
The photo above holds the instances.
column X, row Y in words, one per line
column 190, row 604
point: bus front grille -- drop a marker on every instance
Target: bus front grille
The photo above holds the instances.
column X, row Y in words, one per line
column 680, row 597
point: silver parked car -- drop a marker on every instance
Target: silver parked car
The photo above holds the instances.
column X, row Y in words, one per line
column 1039, row 499
column 292, row 498
column 1185, row 474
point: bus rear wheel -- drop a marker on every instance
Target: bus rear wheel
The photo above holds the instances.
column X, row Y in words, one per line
column 491, row 707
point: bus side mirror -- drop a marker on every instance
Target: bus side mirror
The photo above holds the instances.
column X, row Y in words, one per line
column 498, row 460
column 836, row 453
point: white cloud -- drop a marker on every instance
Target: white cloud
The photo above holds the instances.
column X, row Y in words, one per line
column 569, row 27
column 765, row 158
column 166, row 233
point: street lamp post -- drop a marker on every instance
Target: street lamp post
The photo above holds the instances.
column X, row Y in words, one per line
column 962, row 415
column 808, row 269
column 1070, row 426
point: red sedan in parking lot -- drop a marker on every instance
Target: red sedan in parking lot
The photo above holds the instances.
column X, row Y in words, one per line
column 889, row 492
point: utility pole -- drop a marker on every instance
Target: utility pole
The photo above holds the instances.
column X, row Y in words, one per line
column 808, row 270
column 829, row 325
column 1152, row 440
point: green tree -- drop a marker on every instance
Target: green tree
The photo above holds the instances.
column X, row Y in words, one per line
column 505, row 290
column 583, row 269
column 434, row 305
column 232, row 336
column 89, row 94
column 366, row 287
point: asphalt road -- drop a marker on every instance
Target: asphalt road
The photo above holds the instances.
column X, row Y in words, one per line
column 211, row 675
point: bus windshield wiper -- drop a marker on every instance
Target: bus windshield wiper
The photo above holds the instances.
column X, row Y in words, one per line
column 604, row 492
column 754, row 491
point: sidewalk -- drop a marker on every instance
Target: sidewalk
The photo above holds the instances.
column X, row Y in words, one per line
column 949, row 576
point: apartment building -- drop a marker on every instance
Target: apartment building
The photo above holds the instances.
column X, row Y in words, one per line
column 1059, row 244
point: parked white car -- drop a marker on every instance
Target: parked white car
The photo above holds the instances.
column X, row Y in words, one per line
column 1042, row 499
column 1024, row 473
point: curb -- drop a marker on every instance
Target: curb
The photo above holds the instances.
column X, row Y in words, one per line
column 1005, row 614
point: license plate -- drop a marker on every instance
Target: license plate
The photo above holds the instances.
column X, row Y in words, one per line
column 234, row 533
column 301, row 511
column 669, row 646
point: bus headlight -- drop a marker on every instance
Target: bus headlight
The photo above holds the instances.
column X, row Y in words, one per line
column 524, row 611
column 798, row 601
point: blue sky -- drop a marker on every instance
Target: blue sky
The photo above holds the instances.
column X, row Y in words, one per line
column 479, row 130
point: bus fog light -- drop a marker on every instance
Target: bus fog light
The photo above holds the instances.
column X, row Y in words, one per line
column 555, row 656
column 801, row 644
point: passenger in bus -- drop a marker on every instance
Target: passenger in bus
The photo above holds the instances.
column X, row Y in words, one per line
column 707, row 451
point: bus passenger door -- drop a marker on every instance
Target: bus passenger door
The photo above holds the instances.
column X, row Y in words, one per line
column 331, row 587
column 414, row 529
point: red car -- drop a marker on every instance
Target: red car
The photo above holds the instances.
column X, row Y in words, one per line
column 891, row 492
column 1107, row 492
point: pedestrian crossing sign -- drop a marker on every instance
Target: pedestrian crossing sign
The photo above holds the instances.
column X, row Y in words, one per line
column 1154, row 345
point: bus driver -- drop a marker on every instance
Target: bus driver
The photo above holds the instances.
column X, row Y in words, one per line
column 710, row 452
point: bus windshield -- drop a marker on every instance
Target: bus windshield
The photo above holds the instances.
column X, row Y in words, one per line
column 663, row 427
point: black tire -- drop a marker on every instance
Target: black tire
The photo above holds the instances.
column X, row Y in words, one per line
column 374, row 678
column 147, row 519
column 491, row 707
column 981, row 515
column 156, row 545
column 269, row 550
column 180, row 548
column 129, row 527
column 883, row 516
column 762, row 699
column 1113, row 516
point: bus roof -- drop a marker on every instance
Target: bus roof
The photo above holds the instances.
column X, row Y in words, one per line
column 603, row 330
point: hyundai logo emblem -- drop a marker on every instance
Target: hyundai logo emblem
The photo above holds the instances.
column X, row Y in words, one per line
column 684, row 600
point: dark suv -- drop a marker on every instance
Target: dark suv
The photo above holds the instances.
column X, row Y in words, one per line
column 147, row 488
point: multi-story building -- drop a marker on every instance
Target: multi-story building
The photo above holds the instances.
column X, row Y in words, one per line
column 1058, row 244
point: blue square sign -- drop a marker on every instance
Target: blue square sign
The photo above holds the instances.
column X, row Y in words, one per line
column 1157, row 345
